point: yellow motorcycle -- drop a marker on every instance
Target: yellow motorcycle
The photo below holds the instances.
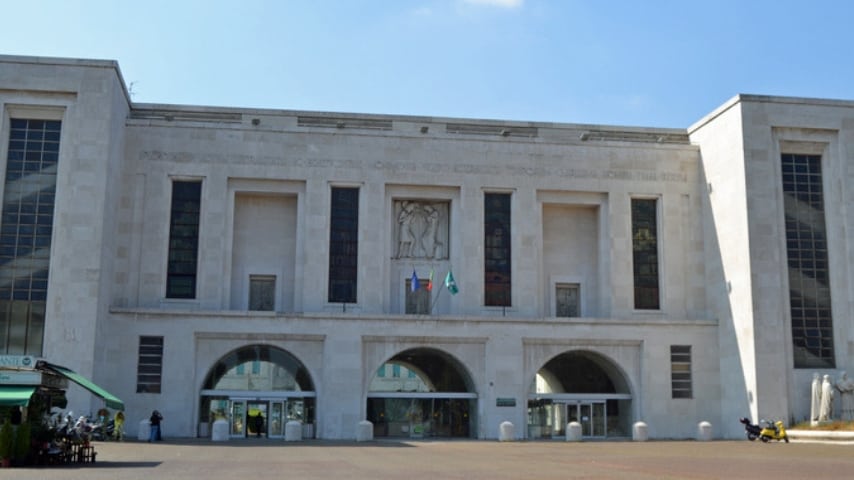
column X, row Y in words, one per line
column 773, row 431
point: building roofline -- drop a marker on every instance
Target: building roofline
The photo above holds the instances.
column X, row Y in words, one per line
column 72, row 62
column 165, row 109
column 752, row 98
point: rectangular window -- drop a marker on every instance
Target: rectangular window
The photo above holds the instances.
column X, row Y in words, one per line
column 680, row 371
column 645, row 253
column 150, row 366
column 262, row 292
column 809, row 269
column 497, row 250
column 566, row 298
column 395, row 370
column 25, row 233
column 343, row 245
column 184, row 239
column 417, row 302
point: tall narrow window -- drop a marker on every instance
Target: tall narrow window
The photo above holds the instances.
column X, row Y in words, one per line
column 183, row 239
column 25, row 233
column 343, row 245
column 681, row 384
column 809, row 270
column 496, row 243
column 150, row 366
column 645, row 253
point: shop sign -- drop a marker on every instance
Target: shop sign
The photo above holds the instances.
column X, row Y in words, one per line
column 17, row 361
column 505, row 402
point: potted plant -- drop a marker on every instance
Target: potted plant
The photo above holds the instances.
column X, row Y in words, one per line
column 7, row 441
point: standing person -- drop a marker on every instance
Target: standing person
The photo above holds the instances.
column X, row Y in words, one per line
column 259, row 424
column 155, row 426
column 118, row 426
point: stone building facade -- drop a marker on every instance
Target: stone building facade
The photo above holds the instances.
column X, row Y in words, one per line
column 435, row 276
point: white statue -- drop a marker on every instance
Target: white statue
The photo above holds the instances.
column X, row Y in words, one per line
column 826, row 411
column 405, row 235
column 815, row 398
column 846, row 392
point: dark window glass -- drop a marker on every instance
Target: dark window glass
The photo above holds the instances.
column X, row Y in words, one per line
column 680, row 371
column 809, row 269
column 343, row 245
column 645, row 254
column 25, row 233
column 183, row 239
column 262, row 292
column 150, row 365
column 418, row 301
column 567, row 300
column 497, row 272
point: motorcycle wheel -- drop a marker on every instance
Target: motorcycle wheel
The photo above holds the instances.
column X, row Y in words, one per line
column 764, row 438
column 786, row 438
column 751, row 436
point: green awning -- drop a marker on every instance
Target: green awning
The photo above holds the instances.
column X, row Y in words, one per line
column 111, row 400
column 15, row 396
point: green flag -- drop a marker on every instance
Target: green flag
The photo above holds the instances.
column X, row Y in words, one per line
column 450, row 284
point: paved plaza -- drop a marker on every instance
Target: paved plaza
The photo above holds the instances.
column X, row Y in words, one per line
column 470, row 460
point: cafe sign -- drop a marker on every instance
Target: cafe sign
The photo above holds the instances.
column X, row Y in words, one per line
column 17, row 361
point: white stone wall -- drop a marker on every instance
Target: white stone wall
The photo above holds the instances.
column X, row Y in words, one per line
column 267, row 177
column 89, row 98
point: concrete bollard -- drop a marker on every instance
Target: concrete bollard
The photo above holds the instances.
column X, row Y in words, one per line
column 219, row 431
column 507, row 433
column 293, row 431
column 364, row 431
column 573, row 432
column 704, row 431
column 640, row 432
column 144, row 430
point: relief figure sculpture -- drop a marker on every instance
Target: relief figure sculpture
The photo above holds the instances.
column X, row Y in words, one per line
column 421, row 230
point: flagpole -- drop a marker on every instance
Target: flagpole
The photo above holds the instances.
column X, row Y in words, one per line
column 436, row 299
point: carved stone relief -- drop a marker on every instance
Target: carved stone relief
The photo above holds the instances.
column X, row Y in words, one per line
column 421, row 230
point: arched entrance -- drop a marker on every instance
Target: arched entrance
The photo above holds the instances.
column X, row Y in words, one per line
column 420, row 393
column 579, row 386
column 257, row 389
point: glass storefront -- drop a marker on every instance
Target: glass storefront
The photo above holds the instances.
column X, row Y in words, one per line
column 422, row 417
column 583, row 387
column 257, row 390
column 422, row 393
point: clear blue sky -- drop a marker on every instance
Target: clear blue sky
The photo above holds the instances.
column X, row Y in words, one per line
column 639, row 62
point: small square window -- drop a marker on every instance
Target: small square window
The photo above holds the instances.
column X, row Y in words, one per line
column 418, row 301
column 567, row 300
column 262, row 293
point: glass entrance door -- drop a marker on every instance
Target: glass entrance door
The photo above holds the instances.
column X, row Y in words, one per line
column 590, row 415
column 256, row 419
column 277, row 420
column 238, row 418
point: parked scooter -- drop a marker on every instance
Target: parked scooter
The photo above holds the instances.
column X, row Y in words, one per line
column 751, row 429
column 766, row 432
column 773, row 431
